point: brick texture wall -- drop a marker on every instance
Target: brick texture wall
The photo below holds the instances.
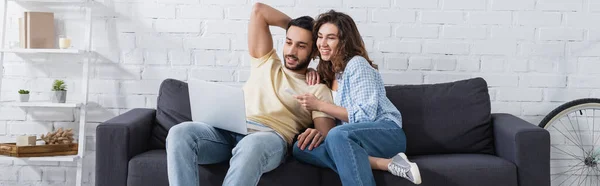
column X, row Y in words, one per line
column 534, row 54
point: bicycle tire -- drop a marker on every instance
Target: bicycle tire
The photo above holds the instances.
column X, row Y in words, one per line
column 566, row 107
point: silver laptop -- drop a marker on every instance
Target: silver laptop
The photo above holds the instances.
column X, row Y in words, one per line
column 220, row 106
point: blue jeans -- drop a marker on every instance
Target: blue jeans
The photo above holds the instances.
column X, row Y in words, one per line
column 190, row 143
column 347, row 147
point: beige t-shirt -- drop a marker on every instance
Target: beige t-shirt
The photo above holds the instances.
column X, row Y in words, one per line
column 268, row 103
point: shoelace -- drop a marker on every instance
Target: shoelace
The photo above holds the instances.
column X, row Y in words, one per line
column 398, row 170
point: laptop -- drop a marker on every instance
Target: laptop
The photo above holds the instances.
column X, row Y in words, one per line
column 220, row 106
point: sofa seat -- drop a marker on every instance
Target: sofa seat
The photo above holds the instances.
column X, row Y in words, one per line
column 448, row 170
column 150, row 168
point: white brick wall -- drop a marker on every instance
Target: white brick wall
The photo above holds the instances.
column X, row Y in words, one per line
column 534, row 55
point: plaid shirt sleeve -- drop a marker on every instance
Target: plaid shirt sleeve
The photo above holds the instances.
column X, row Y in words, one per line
column 363, row 94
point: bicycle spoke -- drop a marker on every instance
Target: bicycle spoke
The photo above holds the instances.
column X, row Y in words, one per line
column 580, row 174
column 594, row 124
column 572, row 175
column 593, row 129
column 587, row 153
column 576, row 133
column 571, row 169
column 597, row 174
column 570, row 134
column 567, row 136
column 587, row 169
column 566, row 153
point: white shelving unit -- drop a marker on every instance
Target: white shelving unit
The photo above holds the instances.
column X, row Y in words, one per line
column 81, row 105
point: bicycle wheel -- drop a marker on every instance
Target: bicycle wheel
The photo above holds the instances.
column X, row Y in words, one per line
column 574, row 141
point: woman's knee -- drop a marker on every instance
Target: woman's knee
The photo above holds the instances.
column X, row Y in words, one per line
column 299, row 153
column 337, row 134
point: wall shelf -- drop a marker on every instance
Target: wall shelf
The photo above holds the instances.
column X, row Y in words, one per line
column 41, row 104
column 68, row 158
column 42, row 51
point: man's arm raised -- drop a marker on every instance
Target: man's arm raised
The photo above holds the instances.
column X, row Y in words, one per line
column 260, row 41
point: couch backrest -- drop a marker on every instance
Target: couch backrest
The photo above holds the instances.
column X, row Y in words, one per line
column 437, row 118
column 442, row 118
column 173, row 107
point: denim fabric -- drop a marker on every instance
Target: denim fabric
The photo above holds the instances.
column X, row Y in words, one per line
column 346, row 149
column 192, row 143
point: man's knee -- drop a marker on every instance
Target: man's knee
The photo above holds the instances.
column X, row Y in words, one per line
column 185, row 132
column 259, row 146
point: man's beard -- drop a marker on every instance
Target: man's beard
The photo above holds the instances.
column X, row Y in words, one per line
column 301, row 65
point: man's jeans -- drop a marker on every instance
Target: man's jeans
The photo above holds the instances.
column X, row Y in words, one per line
column 191, row 143
column 346, row 149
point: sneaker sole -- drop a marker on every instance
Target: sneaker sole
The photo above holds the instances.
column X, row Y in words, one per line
column 413, row 169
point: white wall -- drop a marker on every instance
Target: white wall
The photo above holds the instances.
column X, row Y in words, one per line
column 534, row 54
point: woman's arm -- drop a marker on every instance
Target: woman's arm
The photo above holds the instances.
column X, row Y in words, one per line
column 365, row 89
column 336, row 111
column 312, row 103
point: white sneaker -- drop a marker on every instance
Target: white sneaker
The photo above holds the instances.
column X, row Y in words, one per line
column 400, row 166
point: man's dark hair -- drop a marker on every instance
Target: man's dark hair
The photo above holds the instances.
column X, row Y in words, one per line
column 305, row 22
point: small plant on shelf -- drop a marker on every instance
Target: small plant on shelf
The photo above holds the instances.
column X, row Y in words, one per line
column 60, row 91
column 24, row 95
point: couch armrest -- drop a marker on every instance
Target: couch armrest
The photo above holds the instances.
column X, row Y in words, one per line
column 526, row 145
column 117, row 141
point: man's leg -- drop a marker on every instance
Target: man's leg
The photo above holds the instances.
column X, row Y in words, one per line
column 350, row 145
column 190, row 144
column 254, row 155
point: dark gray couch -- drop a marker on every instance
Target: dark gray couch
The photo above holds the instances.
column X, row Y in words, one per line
column 450, row 131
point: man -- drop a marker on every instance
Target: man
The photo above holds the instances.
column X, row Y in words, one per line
column 267, row 103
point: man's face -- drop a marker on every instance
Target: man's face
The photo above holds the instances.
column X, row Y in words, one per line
column 297, row 50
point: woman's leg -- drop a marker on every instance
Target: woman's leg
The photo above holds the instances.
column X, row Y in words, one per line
column 379, row 163
column 350, row 145
column 317, row 156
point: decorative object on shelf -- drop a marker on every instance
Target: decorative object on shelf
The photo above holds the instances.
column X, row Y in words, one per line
column 59, row 136
column 24, row 95
column 26, row 140
column 59, row 90
column 11, row 149
column 36, row 30
column 64, row 42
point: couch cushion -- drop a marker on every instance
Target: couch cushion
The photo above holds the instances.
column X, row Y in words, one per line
column 173, row 107
column 442, row 118
column 292, row 172
column 150, row 168
column 448, row 170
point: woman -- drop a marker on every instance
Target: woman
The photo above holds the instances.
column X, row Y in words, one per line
column 371, row 126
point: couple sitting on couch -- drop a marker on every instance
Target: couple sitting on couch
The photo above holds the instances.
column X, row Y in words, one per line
column 368, row 133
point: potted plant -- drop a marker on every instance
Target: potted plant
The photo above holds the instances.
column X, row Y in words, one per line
column 24, row 95
column 59, row 90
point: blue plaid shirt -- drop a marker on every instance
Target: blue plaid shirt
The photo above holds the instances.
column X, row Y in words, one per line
column 361, row 91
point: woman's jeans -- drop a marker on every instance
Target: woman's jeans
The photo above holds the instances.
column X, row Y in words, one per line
column 347, row 147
